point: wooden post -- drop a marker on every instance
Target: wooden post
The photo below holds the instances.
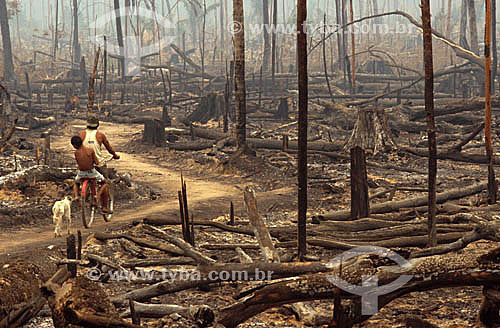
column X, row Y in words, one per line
column 186, row 212
column 181, row 211
column 136, row 318
column 50, row 99
column 79, row 248
column 231, row 213
column 47, row 149
column 71, row 254
column 285, row 143
column 37, row 155
column 360, row 202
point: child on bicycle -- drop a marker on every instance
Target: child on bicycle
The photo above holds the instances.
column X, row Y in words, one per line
column 87, row 161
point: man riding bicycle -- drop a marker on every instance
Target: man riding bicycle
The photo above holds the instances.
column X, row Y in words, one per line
column 95, row 139
column 87, row 162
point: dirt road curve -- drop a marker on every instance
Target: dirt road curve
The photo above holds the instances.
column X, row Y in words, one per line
column 142, row 170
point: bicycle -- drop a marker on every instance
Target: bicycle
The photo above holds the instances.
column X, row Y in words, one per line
column 89, row 207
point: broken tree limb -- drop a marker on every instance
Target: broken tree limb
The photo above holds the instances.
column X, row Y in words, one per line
column 187, row 249
column 468, row 105
column 141, row 242
column 386, row 207
column 458, row 147
column 461, row 52
column 186, row 58
column 259, row 228
column 454, row 156
column 159, row 262
column 266, row 143
column 404, row 241
column 481, row 231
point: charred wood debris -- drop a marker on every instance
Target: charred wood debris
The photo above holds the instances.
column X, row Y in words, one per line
column 184, row 110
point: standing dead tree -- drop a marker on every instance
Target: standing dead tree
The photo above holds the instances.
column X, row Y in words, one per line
column 302, row 143
column 8, row 64
column 90, row 104
column 431, row 125
column 76, row 43
column 492, row 184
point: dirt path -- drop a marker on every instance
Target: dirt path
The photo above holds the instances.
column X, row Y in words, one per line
column 200, row 192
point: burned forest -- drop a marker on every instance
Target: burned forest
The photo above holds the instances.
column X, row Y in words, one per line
column 249, row 163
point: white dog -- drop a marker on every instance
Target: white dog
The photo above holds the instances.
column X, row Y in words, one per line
column 61, row 210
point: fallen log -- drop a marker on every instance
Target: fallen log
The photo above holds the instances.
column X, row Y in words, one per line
column 386, row 207
column 424, row 274
column 141, row 242
column 266, row 143
column 159, row 262
column 200, row 313
column 405, row 241
column 95, row 320
column 186, row 248
column 454, row 156
column 481, row 231
column 474, row 104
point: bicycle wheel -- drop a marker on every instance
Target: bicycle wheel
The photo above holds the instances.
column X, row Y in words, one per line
column 88, row 210
column 111, row 203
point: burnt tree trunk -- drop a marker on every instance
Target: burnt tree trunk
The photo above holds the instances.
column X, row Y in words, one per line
column 239, row 76
column 8, row 64
column 119, row 33
column 282, row 112
column 154, row 132
column 474, row 43
column 431, row 126
column 302, row 143
column 494, row 45
column 207, row 110
column 267, row 47
column 463, row 26
column 360, row 202
column 76, row 42
column 492, row 184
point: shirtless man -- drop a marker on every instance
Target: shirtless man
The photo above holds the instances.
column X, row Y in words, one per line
column 87, row 161
column 94, row 139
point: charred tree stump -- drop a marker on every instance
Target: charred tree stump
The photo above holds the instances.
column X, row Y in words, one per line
column 205, row 111
column 71, row 254
column 371, row 132
column 490, row 306
column 154, row 132
column 47, row 149
column 360, row 201
column 80, row 301
column 282, row 112
column 167, row 121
